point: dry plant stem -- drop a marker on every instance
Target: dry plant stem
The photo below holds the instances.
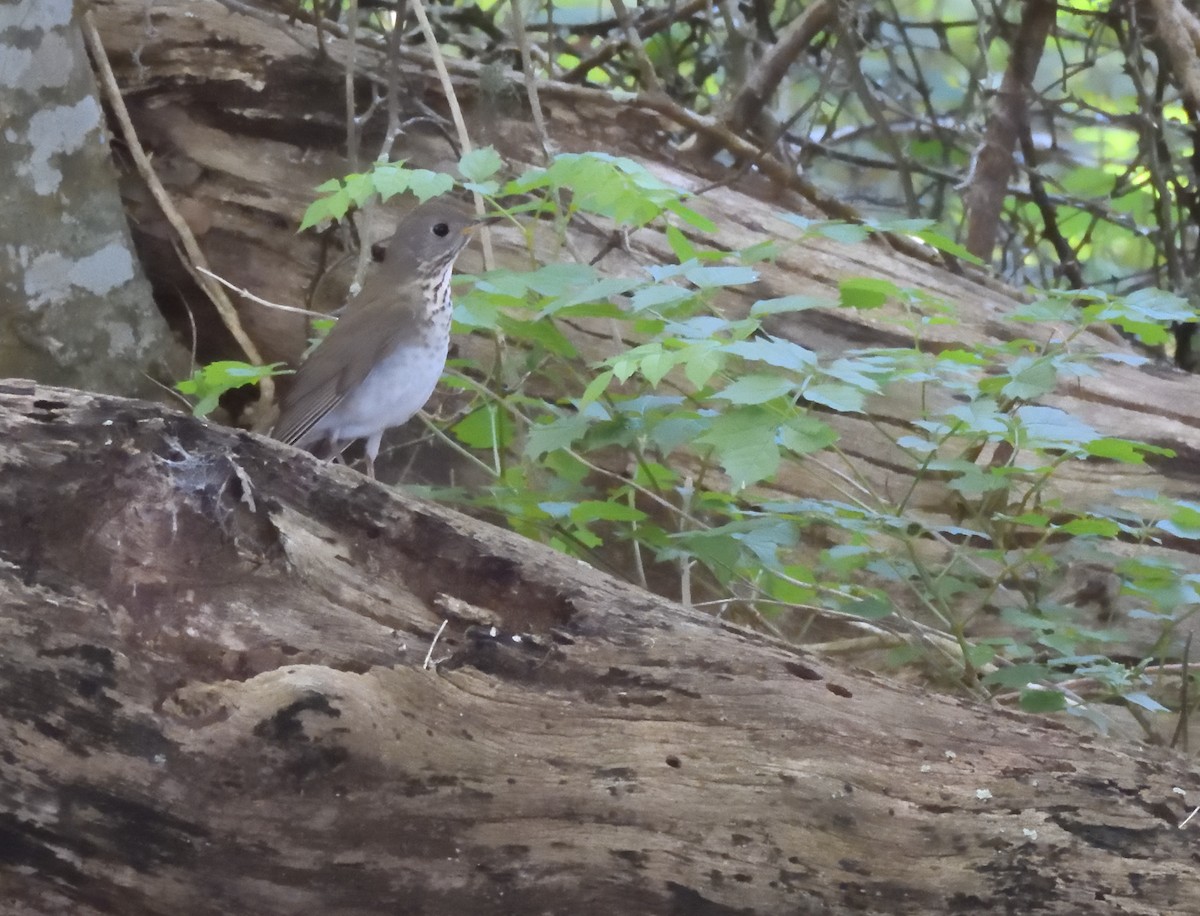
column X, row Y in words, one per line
column 644, row 64
column 393, row 91
column 535, row 105
column 257, row 300
column 432, row 645
column 351, row 67
column 768, row 164
column 613, row 46
column 760, row 85
column 724, row 138
column 195, row 259
column 1177, row 29
column 1180, row 737
column 846, row 44
column 856, row 644
column 460, row 126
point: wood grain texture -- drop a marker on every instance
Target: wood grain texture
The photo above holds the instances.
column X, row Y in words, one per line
column 213, row 701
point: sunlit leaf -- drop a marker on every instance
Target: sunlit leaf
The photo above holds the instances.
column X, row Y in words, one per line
column 480, row 164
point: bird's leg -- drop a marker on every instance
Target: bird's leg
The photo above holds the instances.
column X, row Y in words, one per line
column 372, row 451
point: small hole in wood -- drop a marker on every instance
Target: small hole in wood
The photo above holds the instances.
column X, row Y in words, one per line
column 802, row 671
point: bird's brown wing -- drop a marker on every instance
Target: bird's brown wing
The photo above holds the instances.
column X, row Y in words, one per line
column 372, row 327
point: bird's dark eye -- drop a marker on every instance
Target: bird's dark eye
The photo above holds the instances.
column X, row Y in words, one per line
column 441, row 230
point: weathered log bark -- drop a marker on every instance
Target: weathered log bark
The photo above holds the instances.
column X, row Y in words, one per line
column 214, row 701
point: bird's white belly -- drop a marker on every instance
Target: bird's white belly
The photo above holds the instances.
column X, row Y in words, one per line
column 392, row 392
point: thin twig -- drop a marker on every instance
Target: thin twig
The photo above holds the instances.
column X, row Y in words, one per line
column 531, row 89
column 258, row 300
column 436, row 636
column 351, row 66
column 460, row 126
column 645, row 66
column 195, row 260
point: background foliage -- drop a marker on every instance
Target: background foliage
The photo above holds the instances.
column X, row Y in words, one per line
column 1052, row 143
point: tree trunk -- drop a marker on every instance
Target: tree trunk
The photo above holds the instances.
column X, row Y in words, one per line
column 215, row 700
column 75, row 307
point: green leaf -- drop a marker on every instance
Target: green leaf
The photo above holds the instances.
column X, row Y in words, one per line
column 209, row 383
column 1087, row 181
column 596, row 291
column 333, row 207
column 391, row 179
column 656, row 364
column 690, row 216
column 846, row 233
column 702, row 363
column 1046, row 310
column 544, row 334
column 804, row 435
column 1125, row 450
column 744, row 440
column 1084, row 527
column 360, row 187
column 561, row 432
column 1184, row 521
column 1152, row 304
column 427, row 185
column 1145, row 701
column 719, row 552
column 714, row 277
column 595, row 388
column 866, row 292
column 662, row 294
column 1037, row 700
column 836, row 396
column 1049, row 427
column 980, row 654
column 592, row 510
column 480, row 164
column 485, row 428
column 981, row 416
column 755, row 389
column 774, row 351
column 559, row 279
column 766, row 537
column 1029, row 378
column 680, row 244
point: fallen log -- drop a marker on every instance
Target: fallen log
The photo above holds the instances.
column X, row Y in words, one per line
column 237, row 681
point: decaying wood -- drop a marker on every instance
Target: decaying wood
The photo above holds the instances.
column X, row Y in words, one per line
column 247, row 157
column 214, row 702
